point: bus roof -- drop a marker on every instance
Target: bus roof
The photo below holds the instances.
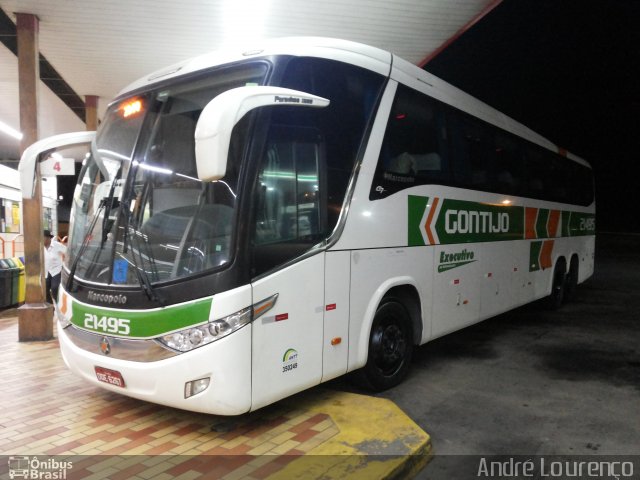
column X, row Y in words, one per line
column 365, row 56
column 346, row 51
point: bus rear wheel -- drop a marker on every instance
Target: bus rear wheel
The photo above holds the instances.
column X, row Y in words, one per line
column 556, row 297
column 390, row 347
column 571, row 283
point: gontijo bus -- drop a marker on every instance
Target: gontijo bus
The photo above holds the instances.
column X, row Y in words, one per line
column 250, row 224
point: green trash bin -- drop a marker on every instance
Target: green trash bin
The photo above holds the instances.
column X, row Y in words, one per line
column 5, row 284
column 15, row 280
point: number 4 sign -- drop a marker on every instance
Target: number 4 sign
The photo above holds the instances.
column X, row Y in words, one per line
column 57, row 165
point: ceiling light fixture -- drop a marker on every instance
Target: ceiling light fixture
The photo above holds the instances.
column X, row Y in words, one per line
column 12, row 132
column 244, row 21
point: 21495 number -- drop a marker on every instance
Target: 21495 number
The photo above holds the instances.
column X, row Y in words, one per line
column 120, row 326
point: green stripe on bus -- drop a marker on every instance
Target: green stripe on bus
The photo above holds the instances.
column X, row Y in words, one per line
column 417, row 206
column 140, row 323
column 534, row 256
column 462, row 221
column 566, row 215
column 582, row 224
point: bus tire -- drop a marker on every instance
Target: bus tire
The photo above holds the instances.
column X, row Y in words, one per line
column 390, row 347
column 556, row 297
column 571, row 283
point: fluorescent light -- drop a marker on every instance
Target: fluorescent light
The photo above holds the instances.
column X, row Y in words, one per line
column 244, row 21
column 12, row 132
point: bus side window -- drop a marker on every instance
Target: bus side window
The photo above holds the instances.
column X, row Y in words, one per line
column 473, row 153
column 289, row 199
column 507, row 164
column 536, row 167
column 414, row 148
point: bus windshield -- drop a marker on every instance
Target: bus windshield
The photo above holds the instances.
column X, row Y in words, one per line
column 140, row 214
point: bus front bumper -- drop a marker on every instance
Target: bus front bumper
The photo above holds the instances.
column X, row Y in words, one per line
column 226, row 363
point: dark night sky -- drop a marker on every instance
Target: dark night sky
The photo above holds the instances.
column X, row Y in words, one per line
column 569, row 70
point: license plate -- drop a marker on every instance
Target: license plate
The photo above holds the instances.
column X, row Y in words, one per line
column 111, row 377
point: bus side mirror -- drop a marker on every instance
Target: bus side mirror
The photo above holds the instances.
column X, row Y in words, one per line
column 27, row 165
column 216, row 122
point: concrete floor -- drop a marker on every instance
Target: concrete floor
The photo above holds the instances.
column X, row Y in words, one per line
column 535, row 382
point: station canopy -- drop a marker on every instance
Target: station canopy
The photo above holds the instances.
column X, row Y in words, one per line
column 93, row 47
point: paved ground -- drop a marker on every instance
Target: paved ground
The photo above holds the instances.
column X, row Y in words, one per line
column 46, row 411
column 533, row 382
column 530, row 382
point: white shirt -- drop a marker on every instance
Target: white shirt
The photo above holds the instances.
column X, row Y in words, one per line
column 53, row 257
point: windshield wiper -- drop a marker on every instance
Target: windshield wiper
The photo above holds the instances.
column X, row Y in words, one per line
column 141, row 273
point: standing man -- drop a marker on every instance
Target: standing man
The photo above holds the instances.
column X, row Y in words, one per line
column 54, row 252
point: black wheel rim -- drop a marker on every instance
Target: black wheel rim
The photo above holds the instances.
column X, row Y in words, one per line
column 389, row 345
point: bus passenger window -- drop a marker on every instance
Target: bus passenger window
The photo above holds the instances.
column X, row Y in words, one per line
column 414, row 147
column 506, row 165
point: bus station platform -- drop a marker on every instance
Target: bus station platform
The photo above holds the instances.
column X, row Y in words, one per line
column 50, row 413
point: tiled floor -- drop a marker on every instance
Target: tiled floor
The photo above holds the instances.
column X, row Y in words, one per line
column 46, row 410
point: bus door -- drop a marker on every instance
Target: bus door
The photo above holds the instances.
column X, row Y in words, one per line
column 288, row 265
column 287, row 339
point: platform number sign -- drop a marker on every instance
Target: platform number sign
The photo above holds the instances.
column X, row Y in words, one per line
column 57, row 165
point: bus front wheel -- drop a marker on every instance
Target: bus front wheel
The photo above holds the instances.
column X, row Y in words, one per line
column 390, row 346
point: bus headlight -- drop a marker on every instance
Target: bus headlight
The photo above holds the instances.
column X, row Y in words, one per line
column 190, row 338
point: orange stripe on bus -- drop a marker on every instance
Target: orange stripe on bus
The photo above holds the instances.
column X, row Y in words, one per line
column 63, row 307
column 530, row 216
column 427, row 225
column 552, row 223
column 545, row 254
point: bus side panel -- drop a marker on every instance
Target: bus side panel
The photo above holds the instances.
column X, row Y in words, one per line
column 496, row 266
column 373, row 273
column 456, row 291
column 586, row 255
column 523, row 285
column 335, row 346
column 287, row 340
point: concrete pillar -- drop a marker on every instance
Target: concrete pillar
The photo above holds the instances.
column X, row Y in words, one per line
column 28, row 77
column 35, row 317
column 91, row 110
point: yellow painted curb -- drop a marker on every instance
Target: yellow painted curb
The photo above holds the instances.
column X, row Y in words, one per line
column 375, row 440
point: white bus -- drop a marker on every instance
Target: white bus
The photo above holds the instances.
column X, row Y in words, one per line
column 248, row 225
